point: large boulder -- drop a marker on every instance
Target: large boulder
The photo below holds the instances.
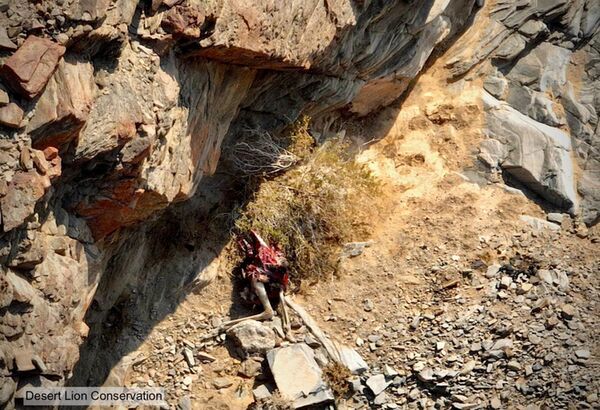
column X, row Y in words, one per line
column 64, row 105
column 542, row 59
column 28, row 70
column 536, row 154
column 252, row 336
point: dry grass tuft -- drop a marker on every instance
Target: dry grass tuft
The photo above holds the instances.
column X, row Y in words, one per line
column 315, row 207
column 337, row 376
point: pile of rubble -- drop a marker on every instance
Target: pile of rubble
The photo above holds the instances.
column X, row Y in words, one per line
column 291, row 372
column 502, row 334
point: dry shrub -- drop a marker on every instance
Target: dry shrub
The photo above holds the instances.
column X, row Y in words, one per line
column 298, row 139
column 315, row 207
column 337, row 376
column 257, row 152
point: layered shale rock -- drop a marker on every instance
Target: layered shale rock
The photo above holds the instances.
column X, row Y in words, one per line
column 541, row 58
column 534, row 153
column 112, row 112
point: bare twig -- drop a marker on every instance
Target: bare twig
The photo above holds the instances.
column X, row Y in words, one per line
column 257, row 152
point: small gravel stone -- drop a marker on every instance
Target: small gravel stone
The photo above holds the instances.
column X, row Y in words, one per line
column 568, row 311
column 505, row 282
column 555, row 217
column 583, row 353
column 492, row 270
column 389, row 371
column 514, row 365
column 468, row 367
column 426, row 375
column 417, row 367
column 495, row 403
column 222, row 383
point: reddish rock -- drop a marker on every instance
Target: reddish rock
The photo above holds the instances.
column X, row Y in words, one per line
column 50, row 153
column 184, row 21
column 23, row 192
column 47, row 162
column 11, row 115
column 55, row 168
column 25, row 159
column 120, row 205
column 39, row 160
column 28, row 70
column 63, row 107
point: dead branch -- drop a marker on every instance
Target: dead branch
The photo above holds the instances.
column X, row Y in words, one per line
column 257, row 152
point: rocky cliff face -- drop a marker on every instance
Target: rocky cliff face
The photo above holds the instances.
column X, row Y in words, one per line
column 112, row 112
column 539, row 62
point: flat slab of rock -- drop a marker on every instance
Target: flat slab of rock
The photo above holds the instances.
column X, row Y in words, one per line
column 23, row 361
column 298, row 376
column 351, row 359
column 539, row 224
column 222, row 383
column 377, row 384
column 252, row 336
column 5, row 42
column 28, row 70
column 261, row 392
column 555, row 217
column 11, row 115
column 3, row 97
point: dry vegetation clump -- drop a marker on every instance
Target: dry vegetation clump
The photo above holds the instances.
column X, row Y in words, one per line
column 337, row 376
column 257, row 152
column 316, row 206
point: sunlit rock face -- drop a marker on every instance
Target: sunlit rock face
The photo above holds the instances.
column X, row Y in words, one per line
column 113, row 112
column 541, row 61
